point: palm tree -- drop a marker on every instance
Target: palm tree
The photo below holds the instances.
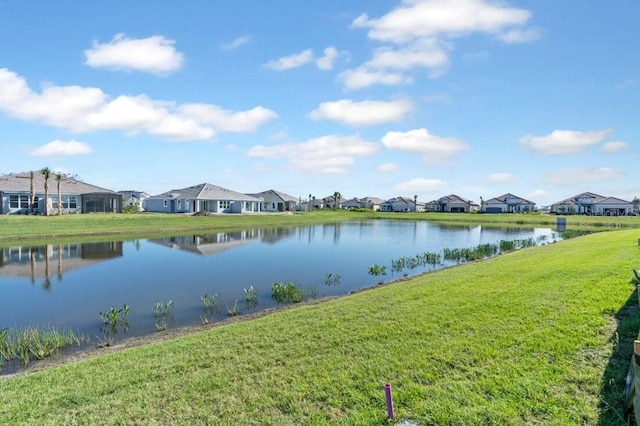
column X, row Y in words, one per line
column 415, row 203
column 336, row 196
column 309, row 204
column 636, row 203
column 32, row 194
column 59, row 181
column 47, row 173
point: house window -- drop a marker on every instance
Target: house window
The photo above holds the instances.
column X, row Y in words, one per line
column 70, row 202
column 165, row 203
column 18, row 201
column 179, row 204
column 224, row 205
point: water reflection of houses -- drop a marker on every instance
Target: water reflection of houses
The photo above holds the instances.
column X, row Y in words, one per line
column 214, row 243
column 54, row 259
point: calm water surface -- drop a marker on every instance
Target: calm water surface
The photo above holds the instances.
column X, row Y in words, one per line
column 67, row 285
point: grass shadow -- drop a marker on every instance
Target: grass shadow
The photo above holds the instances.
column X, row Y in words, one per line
column 611, row 405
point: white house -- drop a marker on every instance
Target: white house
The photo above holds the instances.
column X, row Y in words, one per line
column 402, row 204
column 453, row 204
column 134, row 198
column 275, row 201
column 202, row 198
column 16, row 190
column 593, row 204
column 507, row 203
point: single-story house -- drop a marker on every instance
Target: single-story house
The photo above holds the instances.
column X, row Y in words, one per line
column 204, row 197
column 369, row 203
column 453, row 204
column 507, row 203
column 593, row 204
column 311, row 204
column 75, row 196
column 134, row 198
column 402, row 204
column 330, row 202
column 275, row 201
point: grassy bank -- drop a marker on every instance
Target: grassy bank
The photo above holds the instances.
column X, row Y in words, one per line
column 538, row 336
column 26, row 228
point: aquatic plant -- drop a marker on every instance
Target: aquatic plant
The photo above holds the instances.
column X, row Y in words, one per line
column 34, row 343
column 113, row 320
column 162, row 314
column 251, row 296
column 378, row 271
column 115, row 316
column 209, row 307
column 332, row 279
column 233, row 310
column 287, row 292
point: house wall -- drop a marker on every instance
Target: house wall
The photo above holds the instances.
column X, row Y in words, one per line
column 5, row 203
column 157, row 205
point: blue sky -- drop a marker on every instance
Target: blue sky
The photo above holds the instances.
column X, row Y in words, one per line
column 540, row 98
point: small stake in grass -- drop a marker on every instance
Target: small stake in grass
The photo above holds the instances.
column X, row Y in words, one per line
column 389, row 397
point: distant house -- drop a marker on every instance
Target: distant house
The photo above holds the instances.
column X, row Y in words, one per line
column 453, row 204
column 312, row 204
column 330, row 202
column 352, row 203
column 76, row 196
column 402, row 204
column 134, row 198
column 507, row 203
column 593, row 204
column 369, row 203
column 274, row 201
column 204, row 197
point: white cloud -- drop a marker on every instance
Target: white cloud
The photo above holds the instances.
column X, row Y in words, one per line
column 519, row 36
column 501, row 178
column 564, row 141
column 292, row 61
column 364, row 113
column 240, row 41
column 436, row 149
column 421, row 185
column 154, row 54
column 84, row 110
column 326, row 61
column 429, row 18
column 387, row 168
column 60, row 148
column 585, row 175
column 420, row 34
column 361, row 77
column 228, row 121
column 425, row 53
column 324, row 155
column 614, row 146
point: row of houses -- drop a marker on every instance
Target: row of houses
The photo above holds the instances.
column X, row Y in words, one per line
column 24, row 193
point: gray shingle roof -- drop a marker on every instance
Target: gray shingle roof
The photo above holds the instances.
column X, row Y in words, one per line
column 21, row 182
column 205, row 191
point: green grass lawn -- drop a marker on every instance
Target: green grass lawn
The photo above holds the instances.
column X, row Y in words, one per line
column 538, row 336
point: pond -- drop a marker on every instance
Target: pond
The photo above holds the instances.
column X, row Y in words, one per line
column 67, row 286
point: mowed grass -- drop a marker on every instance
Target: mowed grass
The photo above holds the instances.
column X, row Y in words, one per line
column 538, row 336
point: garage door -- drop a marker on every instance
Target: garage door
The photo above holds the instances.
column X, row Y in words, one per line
column 493, row 210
